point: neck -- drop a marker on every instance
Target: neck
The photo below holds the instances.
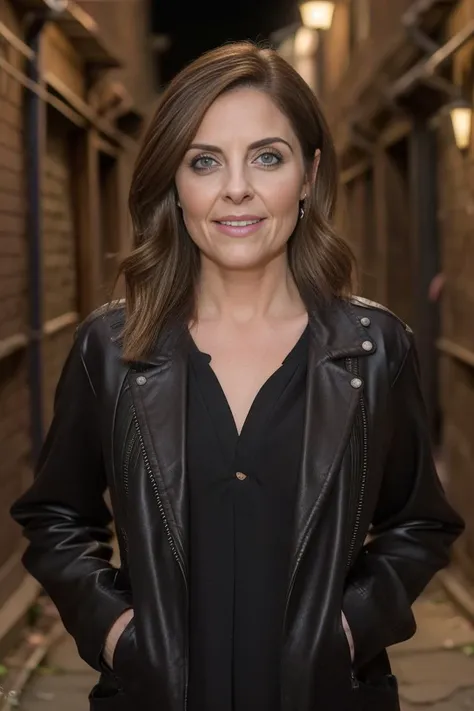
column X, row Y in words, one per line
column 265, row 292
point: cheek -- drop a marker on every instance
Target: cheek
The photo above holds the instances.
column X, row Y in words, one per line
column 196, row 196
column 282, row 197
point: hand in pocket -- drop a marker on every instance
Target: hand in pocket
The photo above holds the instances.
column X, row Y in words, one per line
column 348, row 633
column 114, row 635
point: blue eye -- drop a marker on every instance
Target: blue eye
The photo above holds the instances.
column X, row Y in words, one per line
column 269, row 159
column 203, row 163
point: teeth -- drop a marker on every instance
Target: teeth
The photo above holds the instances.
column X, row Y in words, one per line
column 239, row 223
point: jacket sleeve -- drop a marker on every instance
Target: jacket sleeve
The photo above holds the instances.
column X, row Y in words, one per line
column 65, row 518
column 412, row 529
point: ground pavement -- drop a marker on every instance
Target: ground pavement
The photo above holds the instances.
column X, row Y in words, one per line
column 435, row 669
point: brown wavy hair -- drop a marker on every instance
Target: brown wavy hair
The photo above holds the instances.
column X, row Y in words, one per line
column 162, row 270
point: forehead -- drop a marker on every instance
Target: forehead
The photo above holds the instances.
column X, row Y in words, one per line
column 245, row 114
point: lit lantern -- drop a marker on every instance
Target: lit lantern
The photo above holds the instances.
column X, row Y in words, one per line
column 461, row 118
column 317, row 15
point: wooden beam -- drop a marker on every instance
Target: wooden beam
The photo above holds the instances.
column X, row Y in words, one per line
column 60, row 323
column 454, row 350
column 15, row 41
column 395, row 132
column 11, row 344
column 41, row 92
column 86, row 111
column 355, row 171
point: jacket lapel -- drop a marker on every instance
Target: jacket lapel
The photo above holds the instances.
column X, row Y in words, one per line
column 331, row 406
column 158, row 387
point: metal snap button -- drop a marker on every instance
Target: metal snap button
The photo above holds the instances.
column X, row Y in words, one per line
column 356, row 383
column 367, row 345
column 141, row 380
column 241, row 476
column 365, row 321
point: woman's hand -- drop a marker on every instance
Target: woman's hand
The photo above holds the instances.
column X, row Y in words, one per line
column 348, row 633
column 114, row 636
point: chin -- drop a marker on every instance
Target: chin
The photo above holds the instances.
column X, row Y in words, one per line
column 242, row 259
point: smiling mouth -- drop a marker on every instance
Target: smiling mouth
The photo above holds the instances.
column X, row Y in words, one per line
column 244, row 227
column 239, row 223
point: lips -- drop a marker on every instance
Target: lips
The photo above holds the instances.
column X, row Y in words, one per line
column 239, row 225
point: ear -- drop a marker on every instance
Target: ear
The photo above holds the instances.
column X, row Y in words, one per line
column 317, row 158
column 314, row 172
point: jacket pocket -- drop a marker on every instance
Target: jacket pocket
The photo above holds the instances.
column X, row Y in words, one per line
column 377, row 610
column 102, row 698
column 124, row 663
column 378, row 695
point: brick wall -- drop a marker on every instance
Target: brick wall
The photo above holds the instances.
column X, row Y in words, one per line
column 59, row 251
column 59, row 242
column 355, row 81
column 456, row 212
column 14, row 402
column 69, row 191
column 13, row 264
column 15, row 466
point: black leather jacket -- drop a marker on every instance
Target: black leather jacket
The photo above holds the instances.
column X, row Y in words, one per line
column 372, row 522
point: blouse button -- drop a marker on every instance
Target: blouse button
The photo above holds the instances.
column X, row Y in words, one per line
column 241, row 476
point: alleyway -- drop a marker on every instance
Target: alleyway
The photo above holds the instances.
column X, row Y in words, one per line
column 435, row 669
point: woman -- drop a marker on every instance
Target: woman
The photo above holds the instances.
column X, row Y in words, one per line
column 253, row 422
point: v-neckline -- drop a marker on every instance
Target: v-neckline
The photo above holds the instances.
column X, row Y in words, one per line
column 205, row 360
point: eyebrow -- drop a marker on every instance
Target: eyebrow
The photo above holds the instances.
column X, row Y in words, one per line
column 257, row 144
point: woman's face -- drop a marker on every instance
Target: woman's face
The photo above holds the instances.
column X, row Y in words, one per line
column 241, row 180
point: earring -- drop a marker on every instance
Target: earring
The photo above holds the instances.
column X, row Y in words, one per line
column 302, row 208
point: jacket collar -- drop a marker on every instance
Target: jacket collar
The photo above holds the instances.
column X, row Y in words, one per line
column 335, row 329
column 337, row 332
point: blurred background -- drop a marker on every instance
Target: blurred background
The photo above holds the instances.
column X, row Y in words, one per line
column 78, row 83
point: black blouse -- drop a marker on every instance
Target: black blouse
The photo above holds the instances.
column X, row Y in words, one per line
column 242, row 495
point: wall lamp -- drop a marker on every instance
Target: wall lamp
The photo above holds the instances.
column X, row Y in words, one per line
column 317, row 15
column 57, row 5
column 461, row 119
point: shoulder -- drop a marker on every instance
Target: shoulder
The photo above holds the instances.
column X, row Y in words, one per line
column 389, row 330
column 382, row 314
column 102, row 328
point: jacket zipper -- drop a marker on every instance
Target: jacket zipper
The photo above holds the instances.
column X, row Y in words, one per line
column 126, row 467
column 353, row 367
column 125, row 538
column 167, row 530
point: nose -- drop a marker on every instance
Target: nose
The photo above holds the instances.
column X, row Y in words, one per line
column 237, row 188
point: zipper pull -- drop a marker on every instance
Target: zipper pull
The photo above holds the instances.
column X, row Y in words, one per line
column 354, row 680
